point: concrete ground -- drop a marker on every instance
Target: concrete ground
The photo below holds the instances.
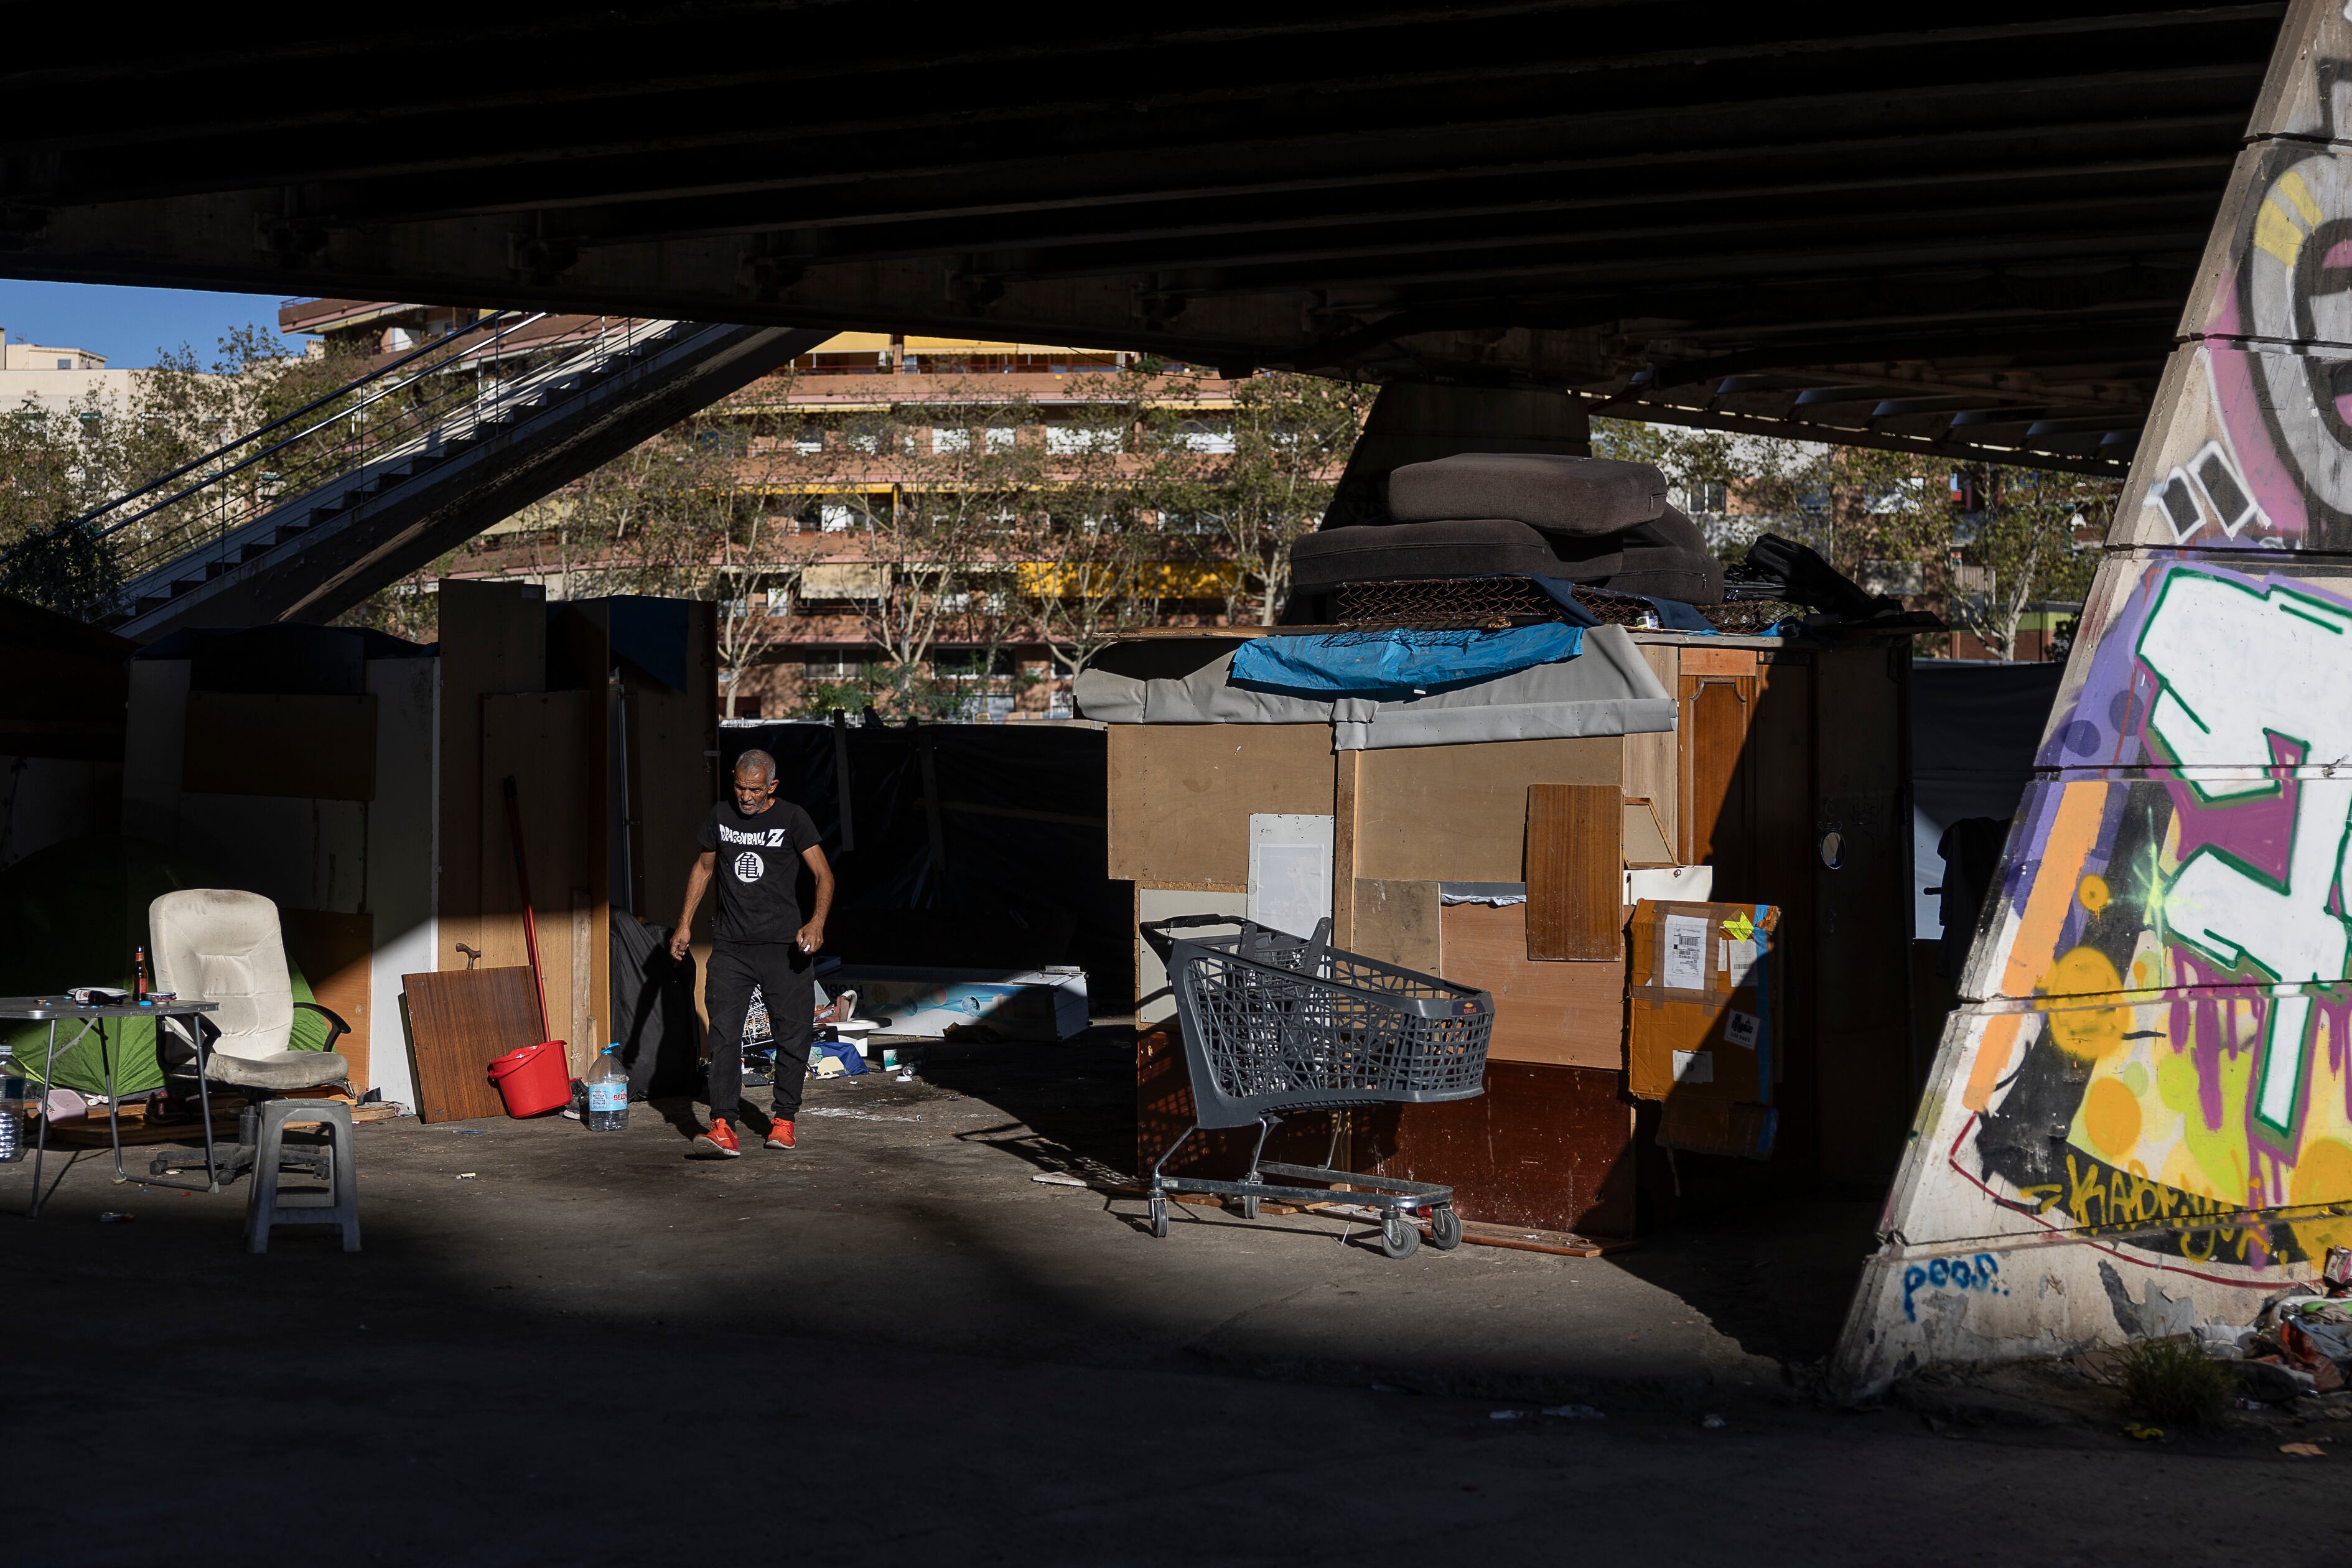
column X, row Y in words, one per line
column 893, row 1344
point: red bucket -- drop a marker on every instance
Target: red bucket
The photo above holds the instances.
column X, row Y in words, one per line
column 534, row 1080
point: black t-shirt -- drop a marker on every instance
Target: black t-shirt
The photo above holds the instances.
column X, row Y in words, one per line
column 758, row 871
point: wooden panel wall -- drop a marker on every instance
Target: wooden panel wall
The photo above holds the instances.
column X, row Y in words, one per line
column 1718, row 702
column 552, row 744
column 1548, row 1147
column 1397, row 922
column 461, row 1021
column 1861, row 952
column 493, row 639
column 1570, row 1015
column 1458, row 814
column 1576, row 865
column 247, row 742
column 1181, row 796
column 673, row 775
column 336, row 953
column 1654, row 761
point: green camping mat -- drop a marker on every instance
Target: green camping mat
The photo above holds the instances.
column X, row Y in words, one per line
column 73, row 915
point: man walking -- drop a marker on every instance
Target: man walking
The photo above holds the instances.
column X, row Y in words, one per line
column 753, row 846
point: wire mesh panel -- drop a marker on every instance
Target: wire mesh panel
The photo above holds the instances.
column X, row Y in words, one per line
column 1273, row 1021
column 1508, row 601
column 1442, row 602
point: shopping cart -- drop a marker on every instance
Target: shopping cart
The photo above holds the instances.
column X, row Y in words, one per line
column 1274, row 1022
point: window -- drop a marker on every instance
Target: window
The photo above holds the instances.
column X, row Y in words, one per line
column 945, row 440
column 834, row 663
column 1705, row 497
column 1201, row 435
column 65, row 365
column 1893, row 577
column 808, row 443
column 1069, row 441
column 1001, row 437
column 835, row 517
column 972, row 663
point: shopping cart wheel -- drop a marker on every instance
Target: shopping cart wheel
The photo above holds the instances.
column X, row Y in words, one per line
column 1400, row 1238
column 1159, row 1216
column 1444, row 1229
column 1248, row 1207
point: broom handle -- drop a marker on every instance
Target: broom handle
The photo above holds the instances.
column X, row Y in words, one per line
column 530, row 920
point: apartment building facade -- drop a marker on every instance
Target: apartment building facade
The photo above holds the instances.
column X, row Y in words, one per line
column 843, row 577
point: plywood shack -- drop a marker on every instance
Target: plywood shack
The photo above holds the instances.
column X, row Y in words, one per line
column 360, row 783
column 1771, row 747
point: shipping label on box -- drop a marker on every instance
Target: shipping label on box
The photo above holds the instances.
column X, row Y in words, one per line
column 1702, row 990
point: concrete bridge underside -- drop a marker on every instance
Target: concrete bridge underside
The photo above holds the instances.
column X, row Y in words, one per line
column 1967, row 232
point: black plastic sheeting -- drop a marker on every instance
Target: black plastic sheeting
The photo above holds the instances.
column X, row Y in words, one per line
column 1000, row 864
column 1975, row 727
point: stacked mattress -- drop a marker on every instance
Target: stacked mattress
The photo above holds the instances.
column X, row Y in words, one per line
column 1592, row 520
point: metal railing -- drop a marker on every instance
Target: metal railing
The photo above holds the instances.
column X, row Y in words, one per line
column 413, row 405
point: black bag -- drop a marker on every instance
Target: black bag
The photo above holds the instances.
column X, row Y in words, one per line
column 653, row 1005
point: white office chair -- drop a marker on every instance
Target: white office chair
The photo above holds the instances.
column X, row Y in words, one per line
column 222, row 946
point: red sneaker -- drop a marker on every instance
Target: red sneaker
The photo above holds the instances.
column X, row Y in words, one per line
column 779, row 1133
column 719, row 1144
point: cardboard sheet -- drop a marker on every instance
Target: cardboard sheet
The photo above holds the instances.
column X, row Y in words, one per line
column 1702, row 1023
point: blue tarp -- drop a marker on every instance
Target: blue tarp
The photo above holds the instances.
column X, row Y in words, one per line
column 1397, row 664
column 1674, row 615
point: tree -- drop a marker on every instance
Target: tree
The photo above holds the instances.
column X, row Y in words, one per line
column 1095, row 563
column 2025, row 546
column 1983, row 546
column 1263, row 483
column 938, row 493
column 60, row 464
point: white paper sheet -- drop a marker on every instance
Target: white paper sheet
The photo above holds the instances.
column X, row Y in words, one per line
column 1686, row 956
column 1693, row 1066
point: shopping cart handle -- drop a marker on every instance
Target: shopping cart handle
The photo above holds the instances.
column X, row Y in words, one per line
column 1159, row 933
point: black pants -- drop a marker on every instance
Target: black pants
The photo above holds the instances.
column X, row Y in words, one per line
column 786, row 977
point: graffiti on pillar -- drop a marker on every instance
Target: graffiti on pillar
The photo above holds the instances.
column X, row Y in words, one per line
column 2176, row 935
column 2159, row 1047
column 2260, row 450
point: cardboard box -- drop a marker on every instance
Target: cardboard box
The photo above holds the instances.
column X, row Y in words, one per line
column 1703, row 1026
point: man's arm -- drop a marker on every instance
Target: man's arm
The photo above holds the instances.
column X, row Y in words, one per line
column 698, row 878
column 811, row 935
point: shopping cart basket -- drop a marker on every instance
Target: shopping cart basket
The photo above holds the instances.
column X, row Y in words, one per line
column 1276, row 1023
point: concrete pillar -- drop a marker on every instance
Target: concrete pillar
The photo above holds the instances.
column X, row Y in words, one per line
column 2140, row 1118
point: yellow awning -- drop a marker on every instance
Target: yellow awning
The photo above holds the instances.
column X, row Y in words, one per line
column 981, row 346
column 1175, row 579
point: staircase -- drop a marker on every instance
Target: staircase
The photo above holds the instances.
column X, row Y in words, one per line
column 306, row 517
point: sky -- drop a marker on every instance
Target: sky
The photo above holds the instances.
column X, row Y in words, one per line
column 127, row 325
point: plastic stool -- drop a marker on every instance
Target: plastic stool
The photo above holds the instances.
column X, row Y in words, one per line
column 339, row 1204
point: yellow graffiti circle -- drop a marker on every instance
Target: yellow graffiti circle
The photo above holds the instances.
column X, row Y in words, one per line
column 2111, row 1121
column 2092, row 892
column 2323, row 1174
column 2086, row 1033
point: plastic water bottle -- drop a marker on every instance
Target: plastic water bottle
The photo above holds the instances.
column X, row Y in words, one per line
column 608, row 1093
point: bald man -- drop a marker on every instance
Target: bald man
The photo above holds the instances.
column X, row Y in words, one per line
column 753, row 846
